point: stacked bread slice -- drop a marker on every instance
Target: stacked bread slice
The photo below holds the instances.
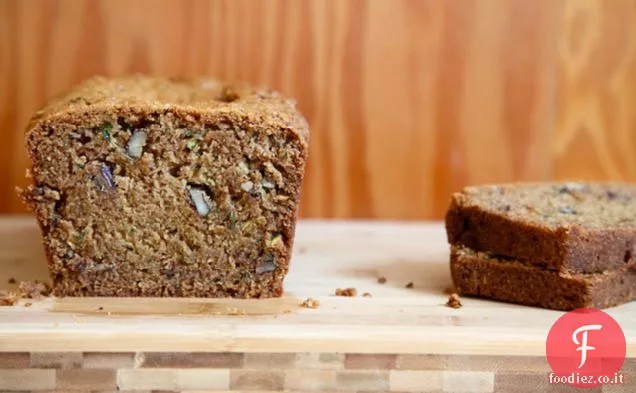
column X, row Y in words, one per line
column 559, row 246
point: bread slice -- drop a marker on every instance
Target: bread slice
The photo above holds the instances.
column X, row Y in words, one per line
column 147, row 186
column 580, row 227
column 483, row 275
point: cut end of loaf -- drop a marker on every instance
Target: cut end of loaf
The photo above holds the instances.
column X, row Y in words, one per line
column 150, row 200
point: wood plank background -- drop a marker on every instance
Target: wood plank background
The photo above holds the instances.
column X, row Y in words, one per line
column 408, row 100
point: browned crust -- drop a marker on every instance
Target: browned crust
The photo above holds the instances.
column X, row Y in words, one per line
column 196, row 96
column 476, row 274
column 564, row 248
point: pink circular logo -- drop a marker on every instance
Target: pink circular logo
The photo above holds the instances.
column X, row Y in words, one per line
column 585, row 348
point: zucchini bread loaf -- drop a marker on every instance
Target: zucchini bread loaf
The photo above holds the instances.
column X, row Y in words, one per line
column 147, row 186
column 554, row 245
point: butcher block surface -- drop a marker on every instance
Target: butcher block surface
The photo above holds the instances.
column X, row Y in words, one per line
column 327, row 255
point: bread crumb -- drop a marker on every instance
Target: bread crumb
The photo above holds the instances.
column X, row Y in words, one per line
column 409, row 285
column 310, row 303
column 449, row 290
column 12, row 280
column 100, row 308
column 26, row 290
column 8, row 298
column 381, row 280
column 366, row 294
column 302, row 250
column 28, row 304
column 454, row 301
column 286, row 311
column 33, row 289
column 347, row 292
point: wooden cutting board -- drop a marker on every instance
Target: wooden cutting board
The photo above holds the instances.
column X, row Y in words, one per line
column 327, row 255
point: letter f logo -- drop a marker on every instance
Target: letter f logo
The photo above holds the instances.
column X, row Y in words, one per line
column 584, row 347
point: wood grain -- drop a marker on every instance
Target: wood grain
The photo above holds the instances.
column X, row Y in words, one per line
column 216, row 372
column 596, row 132
column 395, row 320
column 408, row 100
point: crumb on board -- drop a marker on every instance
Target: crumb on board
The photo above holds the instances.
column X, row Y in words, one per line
column 310, row 303
column 302, row 250
column 26, row 290
column 8, row 298
column 454, row 301
column 100, row 308
column 347, row 292
column 449, row 290
column 366, row 294
column 33, row 289
column 381, row 280
column 409, row 285
column 12, row 280
column 28, row 304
